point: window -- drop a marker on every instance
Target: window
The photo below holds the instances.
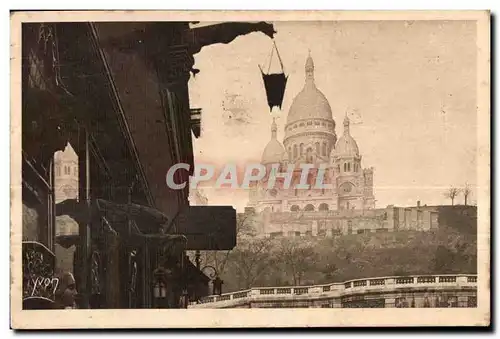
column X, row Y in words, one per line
column 349, row 227
column 294, row 208
column 309, row 207
column 324, row 149
column 346, row 187
column 294, row 151
column 58, row 170
column 317, row 148
column 348, row 167
column 297, row 234
column 301, row 149
column 345, row 167
column 323, row 207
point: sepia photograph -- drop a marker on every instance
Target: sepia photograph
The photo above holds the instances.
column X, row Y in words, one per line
column 175, row 166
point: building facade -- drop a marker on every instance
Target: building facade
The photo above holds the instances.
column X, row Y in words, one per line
column 114, row 92
column 344, row 222
column 310, row 138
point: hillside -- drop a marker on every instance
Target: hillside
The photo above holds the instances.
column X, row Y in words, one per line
column 303, row 261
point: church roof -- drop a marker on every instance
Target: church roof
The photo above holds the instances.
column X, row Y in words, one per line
column 346, row 145
column 310, row 102
column 274, row 150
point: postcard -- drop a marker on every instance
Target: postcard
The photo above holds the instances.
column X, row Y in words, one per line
column 222, row 169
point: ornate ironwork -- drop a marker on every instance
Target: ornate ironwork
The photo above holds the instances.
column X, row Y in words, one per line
column 133, row 271
column 210, row 272
column 95, row 274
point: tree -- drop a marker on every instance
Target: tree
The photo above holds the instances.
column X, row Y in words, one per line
column 250, row 260
column 297, row 258
column 466, row 191
column 452, row 193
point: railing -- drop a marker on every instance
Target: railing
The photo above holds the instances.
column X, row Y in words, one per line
column 352, row 287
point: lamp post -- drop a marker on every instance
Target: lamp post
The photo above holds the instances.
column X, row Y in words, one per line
column 211, row 273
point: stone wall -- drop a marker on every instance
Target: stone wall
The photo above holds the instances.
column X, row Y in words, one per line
column 330, row 223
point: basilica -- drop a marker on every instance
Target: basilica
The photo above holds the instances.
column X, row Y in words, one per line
column 310, row 138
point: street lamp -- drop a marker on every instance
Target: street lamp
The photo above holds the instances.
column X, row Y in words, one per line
column 160, row 290
column 212, row 274
column 217, row 289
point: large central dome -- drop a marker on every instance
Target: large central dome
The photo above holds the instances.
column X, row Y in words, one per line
column 310, row 103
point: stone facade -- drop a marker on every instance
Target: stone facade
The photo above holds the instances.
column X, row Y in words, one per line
column 344, row 222
column 310, row 139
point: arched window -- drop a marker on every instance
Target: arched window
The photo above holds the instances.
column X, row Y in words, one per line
column 309, row 207
column 58, row 170
column 294, row 151
column 317, row 149
column 323, row 207
column 309, row 157
column 301, row 149
column 295, row 208
column 345, row 167
column 324, row 149
column 348, row 167
column 347, row 205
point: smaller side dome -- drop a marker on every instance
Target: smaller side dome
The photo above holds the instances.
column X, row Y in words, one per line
column 346, row 145
column 274, row 150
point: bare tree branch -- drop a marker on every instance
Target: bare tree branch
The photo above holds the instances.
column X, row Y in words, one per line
column 466, row 191
column 452, row 193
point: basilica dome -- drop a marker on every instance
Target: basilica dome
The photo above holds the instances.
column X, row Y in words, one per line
column 310, row 102
column 273, row 153
column 346, row 145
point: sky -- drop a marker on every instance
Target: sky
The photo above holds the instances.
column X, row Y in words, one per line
column 411, row 85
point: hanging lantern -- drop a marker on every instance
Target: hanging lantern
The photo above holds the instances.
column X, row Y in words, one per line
column 274, row 83
column 217, row 286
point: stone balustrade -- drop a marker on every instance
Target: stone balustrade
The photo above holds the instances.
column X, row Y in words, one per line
column 391, row 287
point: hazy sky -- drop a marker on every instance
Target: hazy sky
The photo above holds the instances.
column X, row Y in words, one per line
column 413, row 85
